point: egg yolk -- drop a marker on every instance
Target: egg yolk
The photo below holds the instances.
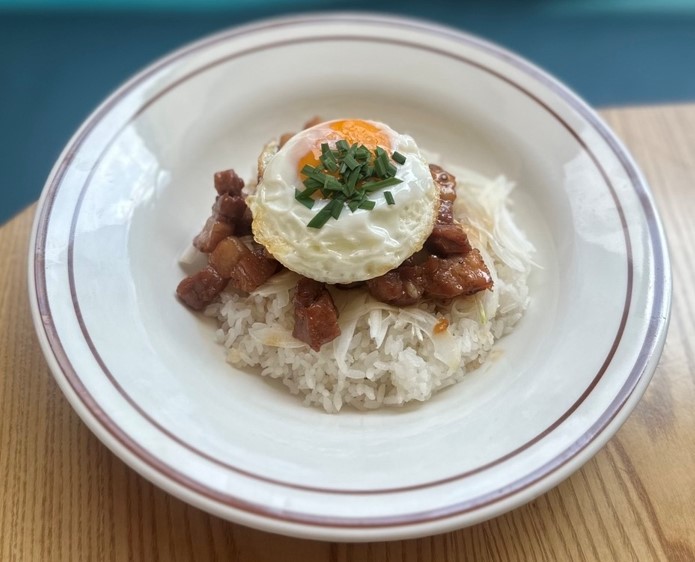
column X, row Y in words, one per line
column 354, row 131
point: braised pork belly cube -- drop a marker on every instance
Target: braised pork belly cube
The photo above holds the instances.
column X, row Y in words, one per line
column 447, row 240
column 228, row 182
column 201, row 288
column 246, row 269
column 229, row 207
column 213, row 232
column 445, row 181
column 456, row 276
column 315, row 314
column 402, row 286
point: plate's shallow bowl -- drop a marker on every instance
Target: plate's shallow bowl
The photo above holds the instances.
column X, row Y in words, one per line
column 134, row 184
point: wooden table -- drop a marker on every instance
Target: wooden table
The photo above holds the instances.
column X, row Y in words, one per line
column 64, row 496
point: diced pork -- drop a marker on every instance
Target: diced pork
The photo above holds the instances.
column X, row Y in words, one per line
column 200, row 289
column 229, row 207
column 447, row 193
column 252, row 271
column 214, row 231
column 436, row 277
column 315, row 314
column 446, row 182
column 456, row 276
column 445, row 215
column 242, row 227
column 402, row 286
column 230, row 214
column 228, row 182
column 228, row 253
column 246, row 270
column 447, row 240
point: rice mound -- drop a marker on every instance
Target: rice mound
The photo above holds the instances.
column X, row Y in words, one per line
column 386, row 355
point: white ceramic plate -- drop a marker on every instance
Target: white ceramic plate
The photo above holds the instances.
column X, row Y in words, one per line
column 134, row 185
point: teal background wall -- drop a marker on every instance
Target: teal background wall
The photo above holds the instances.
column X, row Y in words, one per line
column 59, row 59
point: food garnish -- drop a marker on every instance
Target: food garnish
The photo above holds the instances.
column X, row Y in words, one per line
column 347, row 175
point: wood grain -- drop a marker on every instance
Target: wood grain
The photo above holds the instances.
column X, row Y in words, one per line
column 64, row 496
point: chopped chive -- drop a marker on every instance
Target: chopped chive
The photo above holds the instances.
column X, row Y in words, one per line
column 311, row 183
column 328, row 159
column 345, row 176
column 362, row 153
column 327, row 189
column 375, row 185
column 366, row 204
column 308, row 203
column 330, row 183
column 331, row 165
column 352, row 180
column 324, row 179
column 308, row 170
column 321, row 217
column 379, row 167
column 383, row 167
column 398, row 157
column 308, row 192
column 303, row 198
column 337, row 208
column 350, row 161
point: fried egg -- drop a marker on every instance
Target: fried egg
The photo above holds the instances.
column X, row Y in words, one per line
column 359, row 245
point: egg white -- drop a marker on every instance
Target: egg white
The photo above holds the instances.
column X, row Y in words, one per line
column 358, row 246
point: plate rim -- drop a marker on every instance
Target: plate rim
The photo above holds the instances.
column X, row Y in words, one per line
column 651, row 348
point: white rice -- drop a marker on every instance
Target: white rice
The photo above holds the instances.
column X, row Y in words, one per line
column 387, row 355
